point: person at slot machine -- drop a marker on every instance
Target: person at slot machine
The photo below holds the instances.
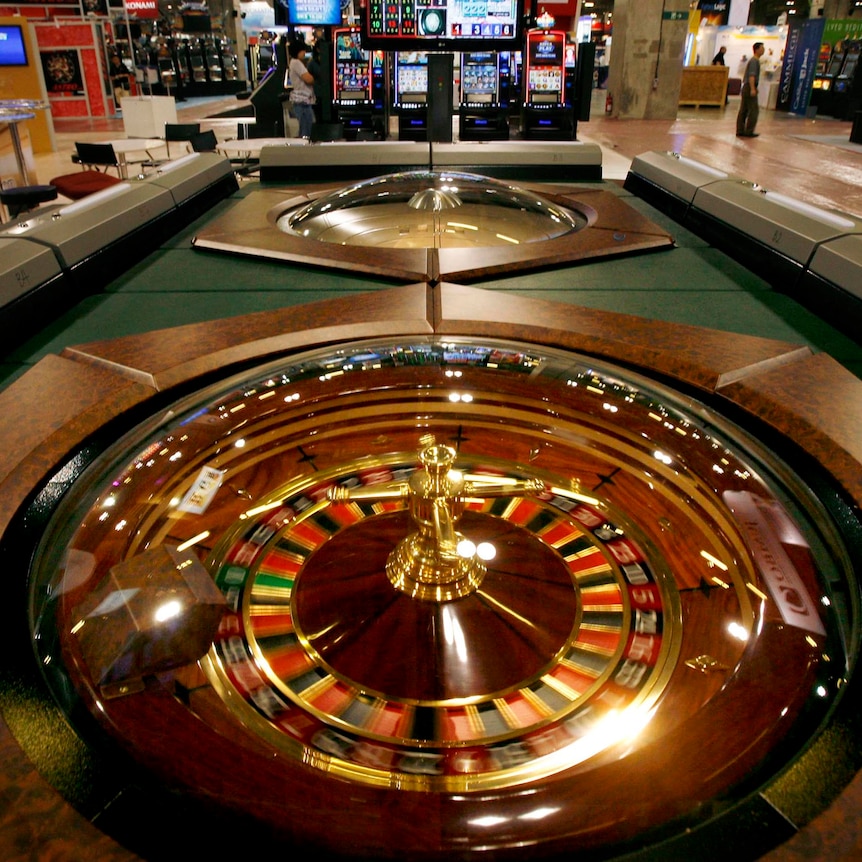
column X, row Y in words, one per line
column 301, row 82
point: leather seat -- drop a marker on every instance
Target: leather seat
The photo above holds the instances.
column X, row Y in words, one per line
column 82, row 183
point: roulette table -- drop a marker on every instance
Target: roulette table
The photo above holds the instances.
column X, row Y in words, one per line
column 422, row 575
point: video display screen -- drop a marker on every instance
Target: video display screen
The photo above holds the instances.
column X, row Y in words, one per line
column 479, row 78
column 546, row 49
column 324, row 12
column 347, row 48
column 12, row 49
column 545, row 80
column 352, row 81
column 412, row 80
column 443, row 25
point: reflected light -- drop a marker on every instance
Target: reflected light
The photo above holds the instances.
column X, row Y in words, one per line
column 735, row 630
column 454, row 634
column 539, row 813
column 168, row 611
column 257, row 510
column 489, row 820
column 616, row 726
column 193, row 540
column 486, row 551
column 713, row 561
column 465, row 549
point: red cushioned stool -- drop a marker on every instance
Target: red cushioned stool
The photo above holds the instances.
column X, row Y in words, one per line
column 82, row 183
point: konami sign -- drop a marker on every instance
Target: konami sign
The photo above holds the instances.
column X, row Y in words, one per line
column 142, row 8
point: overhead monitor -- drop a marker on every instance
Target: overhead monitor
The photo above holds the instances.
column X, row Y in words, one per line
column 443, row 25
column 13, row 51
column 315, row 12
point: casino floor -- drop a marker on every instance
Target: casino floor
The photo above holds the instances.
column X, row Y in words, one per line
column 185, row 333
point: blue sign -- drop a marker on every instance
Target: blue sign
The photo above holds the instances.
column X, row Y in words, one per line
column 801, row 53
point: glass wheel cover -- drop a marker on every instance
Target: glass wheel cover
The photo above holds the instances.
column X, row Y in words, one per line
column 678, row 561
column 431, row 209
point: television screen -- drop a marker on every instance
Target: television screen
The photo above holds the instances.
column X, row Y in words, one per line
column 13, row 51
column 442, row 25
column 323, row 12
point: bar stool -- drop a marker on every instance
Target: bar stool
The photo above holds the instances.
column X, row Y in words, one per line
column 22, row 199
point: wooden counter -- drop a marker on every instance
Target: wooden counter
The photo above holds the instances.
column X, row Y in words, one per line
column 703, row 85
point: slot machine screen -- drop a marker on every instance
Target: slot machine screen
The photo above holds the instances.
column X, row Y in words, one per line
column 352, row 69
column 545, row 85
column 479, row 78
column 412, row 81
column 347, row 49
column 546, row 50
column 442, row 25
column 835, row 65
column 353, row 81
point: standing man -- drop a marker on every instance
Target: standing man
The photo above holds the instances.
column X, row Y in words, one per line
column 746, row 119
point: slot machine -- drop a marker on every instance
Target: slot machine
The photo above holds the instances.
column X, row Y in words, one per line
column 545, row 112
column 847, row 87
column 358, row 85
column 410, row 71
column 483, row 111
column 822, row 87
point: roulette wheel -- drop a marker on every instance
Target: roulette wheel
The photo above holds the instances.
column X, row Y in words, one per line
column 433, row 594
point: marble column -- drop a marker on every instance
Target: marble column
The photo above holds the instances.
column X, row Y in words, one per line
column 647, row 58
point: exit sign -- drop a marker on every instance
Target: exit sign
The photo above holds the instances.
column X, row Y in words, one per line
column 675, row 16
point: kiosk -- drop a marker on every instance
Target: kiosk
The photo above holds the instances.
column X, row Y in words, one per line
column 545, row 112
column 358, row 86
column 483, row 112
